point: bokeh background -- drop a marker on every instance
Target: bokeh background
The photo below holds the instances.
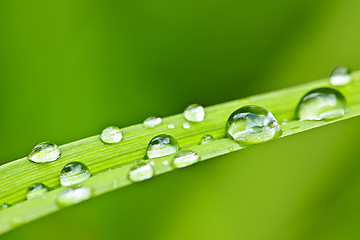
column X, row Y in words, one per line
column 69, row 68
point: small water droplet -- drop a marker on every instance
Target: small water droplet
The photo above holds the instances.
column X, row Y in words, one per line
column 184, row 158
column 73, row 196
column 321, row 104
column 340, row 76
column 206, row 139
column 44, row 152
column 162, row 145
column 141, row 171
column 171, row 126
column 231, row 149
column 36, row 190
column 252, row 125
column 152, row 122
column 4, row 205
column 74, row 173
column 194, row 113
column 111, row 135
column 186, row 125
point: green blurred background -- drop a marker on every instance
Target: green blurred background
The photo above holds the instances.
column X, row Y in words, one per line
column 70, row 68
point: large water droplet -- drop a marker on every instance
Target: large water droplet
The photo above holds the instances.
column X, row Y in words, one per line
column 4, row 205
column 206, row 139
column 194, row 113
column 184, row 158
column 340, row 76
column 73, row 196
column 162, row 145
column 321, row 104
column 44, row 152
column 152, row 122
column 141, row 171
column 111, row 135
column 74, row 173
column 36, row 190
column 252, row 125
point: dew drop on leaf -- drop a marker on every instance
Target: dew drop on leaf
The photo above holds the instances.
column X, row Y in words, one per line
column 162, row 145
column 141, row 171
column 252, row 125
column 36, row 190
column 73, row 196
column 111, row 135
column 4, row 205
column 44, row 152
column 340, row 76
column 321, row 104
column 194, row 113
column 73, row 173
column 186, row 125
column 206, row 139
column 151, row 122
column 184, row 158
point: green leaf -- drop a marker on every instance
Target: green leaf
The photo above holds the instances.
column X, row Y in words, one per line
column 110, row 164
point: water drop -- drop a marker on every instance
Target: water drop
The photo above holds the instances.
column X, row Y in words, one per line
column 36, row 190
column 152, row 122
column 321, row 104
column 4, row 205
column 184, row 158
column 74, row 173
column 111, row 135
column 186, row 125
column 206, row 139
column 252, row 125
column 162, row 145
column 194, row 113
column 44, row 152
column 141, row 171
column 171, row 126
column 340, row 76
column 73, row 196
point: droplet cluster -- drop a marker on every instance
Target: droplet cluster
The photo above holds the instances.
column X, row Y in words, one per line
column 247, row 125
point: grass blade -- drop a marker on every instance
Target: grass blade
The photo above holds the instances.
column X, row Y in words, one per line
column 110, row 164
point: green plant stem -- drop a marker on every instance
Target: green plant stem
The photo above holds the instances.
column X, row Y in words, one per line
column 110, row 164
